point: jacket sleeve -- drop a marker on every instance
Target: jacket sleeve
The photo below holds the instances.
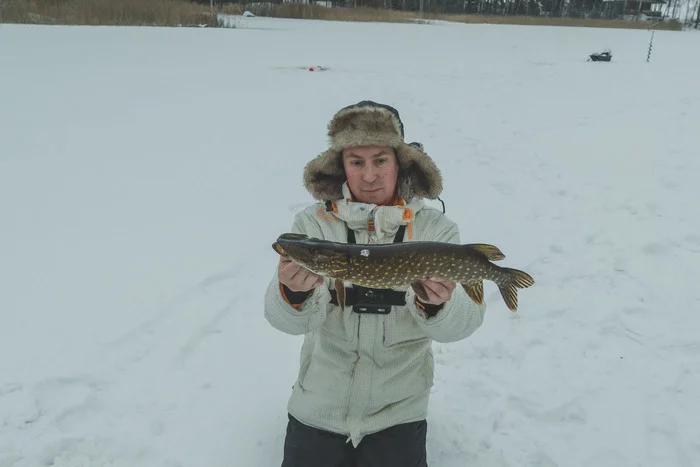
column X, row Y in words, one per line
column 460, row 316
column 309, row 316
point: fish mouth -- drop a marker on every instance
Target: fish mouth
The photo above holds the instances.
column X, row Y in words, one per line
column 285, row 240
column 280, row 250
column 292, row 246
column 298, row 253
column 314, row 254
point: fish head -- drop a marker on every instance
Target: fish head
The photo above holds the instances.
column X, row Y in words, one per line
column 319, row 256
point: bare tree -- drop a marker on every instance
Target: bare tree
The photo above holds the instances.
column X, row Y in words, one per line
column 697, row 19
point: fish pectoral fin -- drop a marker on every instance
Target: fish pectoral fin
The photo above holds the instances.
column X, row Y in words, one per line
column 491, row 252
column 420, row 291
column 340, row 293
column 475, row 290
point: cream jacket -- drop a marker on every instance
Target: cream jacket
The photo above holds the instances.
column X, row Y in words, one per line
column 361, row 373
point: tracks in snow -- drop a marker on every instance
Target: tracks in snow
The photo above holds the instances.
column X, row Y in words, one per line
column 106, row 416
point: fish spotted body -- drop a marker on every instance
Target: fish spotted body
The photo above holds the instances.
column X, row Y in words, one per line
column 398, row 264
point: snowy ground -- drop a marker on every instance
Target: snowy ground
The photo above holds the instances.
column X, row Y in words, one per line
column 144, row 174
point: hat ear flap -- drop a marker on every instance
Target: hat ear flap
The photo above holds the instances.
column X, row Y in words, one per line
column 419, row 176
column 324, row 176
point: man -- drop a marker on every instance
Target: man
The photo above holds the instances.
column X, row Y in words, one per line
column 361, row 395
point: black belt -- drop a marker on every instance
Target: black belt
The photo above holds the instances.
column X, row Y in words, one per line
column 368, row 300
column 374, row 301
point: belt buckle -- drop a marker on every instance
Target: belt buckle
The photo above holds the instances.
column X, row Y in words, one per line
column 369, row 301
column 372, row 309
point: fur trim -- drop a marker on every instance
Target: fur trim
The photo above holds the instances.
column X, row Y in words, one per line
column 371, row 124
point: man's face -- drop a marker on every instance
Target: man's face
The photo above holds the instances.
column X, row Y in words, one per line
column 372, row 172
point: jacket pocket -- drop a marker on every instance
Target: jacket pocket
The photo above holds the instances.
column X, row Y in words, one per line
column 341, row 324
column 307, row 350
column 429, row 367
column 400, row 328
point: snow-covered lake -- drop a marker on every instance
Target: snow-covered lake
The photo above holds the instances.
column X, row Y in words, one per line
column 145, row 172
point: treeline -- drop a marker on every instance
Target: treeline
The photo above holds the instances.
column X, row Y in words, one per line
column 551, row 8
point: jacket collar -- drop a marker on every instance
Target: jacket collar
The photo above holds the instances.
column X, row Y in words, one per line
column 384, row 220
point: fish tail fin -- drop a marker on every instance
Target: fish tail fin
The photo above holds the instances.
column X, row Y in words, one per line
column 515, row 280
column 475, row 290
column 490, row 252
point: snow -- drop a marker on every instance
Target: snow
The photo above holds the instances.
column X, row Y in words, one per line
column 145, row 172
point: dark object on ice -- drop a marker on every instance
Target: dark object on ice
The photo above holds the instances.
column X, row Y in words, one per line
column 601, row 57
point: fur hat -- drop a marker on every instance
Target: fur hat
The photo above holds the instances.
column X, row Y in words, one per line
column 368, row 123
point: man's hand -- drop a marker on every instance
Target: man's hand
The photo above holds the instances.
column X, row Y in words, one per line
column 297, row 278
column 433, row 290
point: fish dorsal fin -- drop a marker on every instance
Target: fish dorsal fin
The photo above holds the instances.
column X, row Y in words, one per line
column 491, row 252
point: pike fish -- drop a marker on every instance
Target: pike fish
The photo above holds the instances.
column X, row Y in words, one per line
column 391, row 265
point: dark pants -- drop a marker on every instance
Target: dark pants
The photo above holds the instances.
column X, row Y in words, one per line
column 398, row 446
